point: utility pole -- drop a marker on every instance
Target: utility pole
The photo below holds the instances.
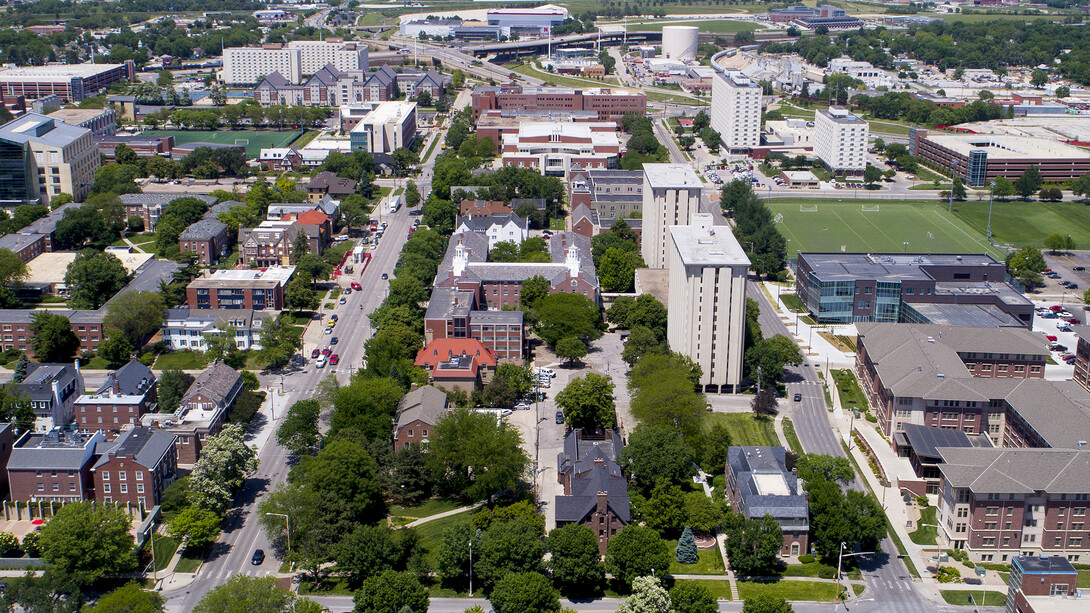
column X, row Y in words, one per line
column 991, row 193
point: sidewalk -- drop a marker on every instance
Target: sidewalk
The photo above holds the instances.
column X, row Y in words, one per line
column 820, row 352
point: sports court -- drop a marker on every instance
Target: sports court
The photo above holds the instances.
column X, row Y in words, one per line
column 874, row 226
column 255, row 140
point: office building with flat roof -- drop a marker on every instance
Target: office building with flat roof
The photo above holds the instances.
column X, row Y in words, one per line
column 671, row 196
column 707, row 300
column 840, row 140
column 557, row 149
column 240, row 289
column 388, row 127
column 736, row 110
column 979, row 158
column 610, row 103
column 101, row 122
column 969, row 289
column 70, row 82
column 1044, row 584
column 41, row 157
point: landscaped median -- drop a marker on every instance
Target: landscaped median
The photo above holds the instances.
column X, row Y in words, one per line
column 814, row 591
column 961, row 597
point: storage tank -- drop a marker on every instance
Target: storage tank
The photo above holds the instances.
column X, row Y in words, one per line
column 679, row 42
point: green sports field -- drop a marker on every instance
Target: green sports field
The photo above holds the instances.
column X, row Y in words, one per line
column 1028, row 223
column 843, row 225
column 257, row 139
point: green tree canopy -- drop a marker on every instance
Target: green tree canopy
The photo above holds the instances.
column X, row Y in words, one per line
column 129, row 598
column 392, row 592
column 588, row 402
column 136, row 315
column 93, row 278
column 476, row 455
column 565, row 315
column 53, row 339
column 86, row 541
column 575, row 562
column 524, row 593
column 654, row 453
column 634, row 552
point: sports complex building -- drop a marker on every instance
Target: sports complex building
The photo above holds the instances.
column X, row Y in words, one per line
column 71, row 82
column 979, row 158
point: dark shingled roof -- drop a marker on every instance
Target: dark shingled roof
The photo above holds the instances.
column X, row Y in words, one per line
column 132, row 379
column 591, row 464
column 141, row 443
column 216, row 382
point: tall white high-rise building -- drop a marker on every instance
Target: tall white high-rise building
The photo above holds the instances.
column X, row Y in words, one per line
column 707, row 300
column 736, row 110
column 295, row 60
column 671, row 196
column 840, row 140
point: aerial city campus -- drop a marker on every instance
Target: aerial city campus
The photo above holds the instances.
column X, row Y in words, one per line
column 264, row 285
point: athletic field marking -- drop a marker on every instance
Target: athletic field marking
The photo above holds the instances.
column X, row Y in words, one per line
column 888, row 237
column 847, row 225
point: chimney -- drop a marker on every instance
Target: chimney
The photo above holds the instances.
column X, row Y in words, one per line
column 76, row 364
column 412, row 387
column 602, row 502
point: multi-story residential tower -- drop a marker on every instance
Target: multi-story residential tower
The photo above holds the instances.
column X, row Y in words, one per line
column 671, row 196
column 736, row 110
column 296, row 59
column 840, row 140
column 41, row 157
column 707, row 302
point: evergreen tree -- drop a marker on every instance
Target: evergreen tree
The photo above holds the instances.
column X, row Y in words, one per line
column 20, row 369
column 686, row 548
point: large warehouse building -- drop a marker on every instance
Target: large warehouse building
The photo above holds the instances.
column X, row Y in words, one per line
column 533, row 21
column 979, row 158
column 71, row 82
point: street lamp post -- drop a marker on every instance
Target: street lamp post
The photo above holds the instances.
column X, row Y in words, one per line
column 991, row 193
column 471, row 567
column 905, row 247
column 287, row 528
column 839, row 565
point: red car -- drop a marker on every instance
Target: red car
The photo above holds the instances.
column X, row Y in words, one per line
column 317, row 353
column 325, row 351
column 356, row 286
column 1055, row 307
column 1073, row 320
column 333, row 359
column 1051, row 337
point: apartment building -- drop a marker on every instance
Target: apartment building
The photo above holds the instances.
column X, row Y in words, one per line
column 188, row 329
column 759, row 484
column 840, row 140
column 671, row 197
column 271, row 243
column 963, row 290
column 595, row 492
column 53, row 466
column 498, row 228
column 149, row 207
column 101, row 122
column 611, row 193
column 610, row 104
column 137, row 468
column 707, row 302
column 416, row 416
column 210, row 239
column 1082, row 356
column 497, row 284
column 201, row 412
column 52, row 390
column 388, row 127
column 41, row 157
column 69, row 82
column 997, row 504
column 294, row 60
column 257, row 289
column 736, row 110
column 558, row 149
column 125, row 395
column 15, row 327
column 453, row 313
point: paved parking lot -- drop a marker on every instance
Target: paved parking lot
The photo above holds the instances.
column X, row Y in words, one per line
column 1064, row 265
column 1049, row 326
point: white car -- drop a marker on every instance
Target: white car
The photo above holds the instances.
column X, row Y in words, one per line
column 320, row 363
column 544, row 371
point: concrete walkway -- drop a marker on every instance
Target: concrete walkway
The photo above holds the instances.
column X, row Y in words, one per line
column 424, row 520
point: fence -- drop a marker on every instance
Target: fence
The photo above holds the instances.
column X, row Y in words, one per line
column 42, row 509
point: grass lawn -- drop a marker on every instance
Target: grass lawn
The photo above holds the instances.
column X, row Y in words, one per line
column 424, row 509
column 794, row 303
column 305, row 139
column 184, row 360
column 858, row 589
column 190, row 561
column 926, row 535
column 813, row 569
column 164, row 550
column 1084, row 578
column 427, row 154
column 961, row 597
column 792, row 437
column 710, row 562
column 1027, row 223
column 924, row 224
column 331, row 586
column 97, row 363
column 790, row 590
column 256, row 140
column 530, row 70
column 715, row 26
column 719, row 589
column 431, row 533
column 851, row 395
column 745, row 428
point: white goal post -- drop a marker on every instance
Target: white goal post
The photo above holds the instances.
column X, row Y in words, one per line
column 778, row 218
column 869, row 208
column 808, row 208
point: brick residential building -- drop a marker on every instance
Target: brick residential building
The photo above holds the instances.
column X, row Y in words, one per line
column 759, row 484
column 996, row 504
column 137, row 468
column 202, row 410
column 15, row 328
column 149, row 207
column 595, row 490
column 240, row 289
column 477, row 208
column 54, row 465
column 210, row 239
column 1043, row 584
column 452, row 313
column 328, row 183
column 463, row 363
column 318, row 227
column 417, row 413
column 121, row 400
column 52, row 390
column 611, row 104
column 7, row 443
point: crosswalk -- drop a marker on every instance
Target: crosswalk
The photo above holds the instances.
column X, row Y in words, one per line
column 225, row 574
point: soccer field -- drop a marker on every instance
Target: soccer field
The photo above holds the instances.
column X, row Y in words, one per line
column 844, row 225
column 1022, row 223
column 255, row 140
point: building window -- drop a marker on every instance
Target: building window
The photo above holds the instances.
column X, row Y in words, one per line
column 106, row 488
column 124, row 488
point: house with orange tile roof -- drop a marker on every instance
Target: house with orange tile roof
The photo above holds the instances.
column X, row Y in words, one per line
column 463, row 363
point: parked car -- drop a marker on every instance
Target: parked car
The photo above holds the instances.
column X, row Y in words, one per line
column 333, row 359
column 317, row 352
column 1072, row 286
column 385, row 276
column 1058, row 347
column 544, row 371
column 522, row 406
column 326, row 351
column 1070, row 361
column 258, row 557
column 334, row 340
column 334, row 317
column 1051, row 337
column 1067, row 356
column 356, row 286
column 343, row 300
column 1073, row 320
column 560, row 417
column 1055, row 307
column 1079, row 268
column 321, row 362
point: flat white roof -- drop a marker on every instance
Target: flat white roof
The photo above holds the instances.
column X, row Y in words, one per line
column 771, row 484
column 31, row 73
column 671, row 175
column 51, row 267
column 385, row 112
column 703, row 244
column 273, row 273
column 1004, row 147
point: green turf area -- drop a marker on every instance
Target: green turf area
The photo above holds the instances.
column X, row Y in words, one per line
column 431, row 533
column 184, row 360
column 715, row 26
column 926, row 535
column 424, row 509
column 745, row 428
column 257, row 139
column 839, row 225
column 1084, row 578
column 710, row 562
column 851, row 395
column 792, row 437
column 961, row 597
column 1021, row 223
column 793, row 303
column 719, row 589
column 164, row 550
column 190, row 561
column 817, row 569
column 790, row 590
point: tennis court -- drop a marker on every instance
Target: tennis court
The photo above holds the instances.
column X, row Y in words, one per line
column 875, row 226
column 255, row 140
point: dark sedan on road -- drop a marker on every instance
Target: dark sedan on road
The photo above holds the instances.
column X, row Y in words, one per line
column 258, row 557
column 317, row 352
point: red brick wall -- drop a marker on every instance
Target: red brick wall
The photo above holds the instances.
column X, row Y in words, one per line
column 142, row 486
column 77, row 485
column 414, row 432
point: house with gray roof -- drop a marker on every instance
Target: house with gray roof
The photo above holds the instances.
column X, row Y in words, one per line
column 759, row 484
column 999, row 503
column 134, row 471
column 125, row 395
column 502, row 227
column 453, row 313
column 201, row 412
column 52, row 390
column 54, row 465
column 417, row 414
column 595, row 489
column 149, row 207
column 210, row 239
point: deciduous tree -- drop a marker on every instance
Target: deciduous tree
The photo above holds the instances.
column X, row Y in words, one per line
column 299, row 430
column 346, row 471
column 200, row 526
column 225, row 462
column 692, row 597
column 512, row 546
column 575, row 561
column 52, row 337
column 243, row 594
column 648, row 596
column 93, row 278
column 636, row 551
column 87, row 541
column 766, row 603
column 654, row 453
column 753, row 545
column 476, row 455
column 588, row 402
column 172, row 386
column 392, row 592
column 129, row 598
column 136, row 315
column 524, row 593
